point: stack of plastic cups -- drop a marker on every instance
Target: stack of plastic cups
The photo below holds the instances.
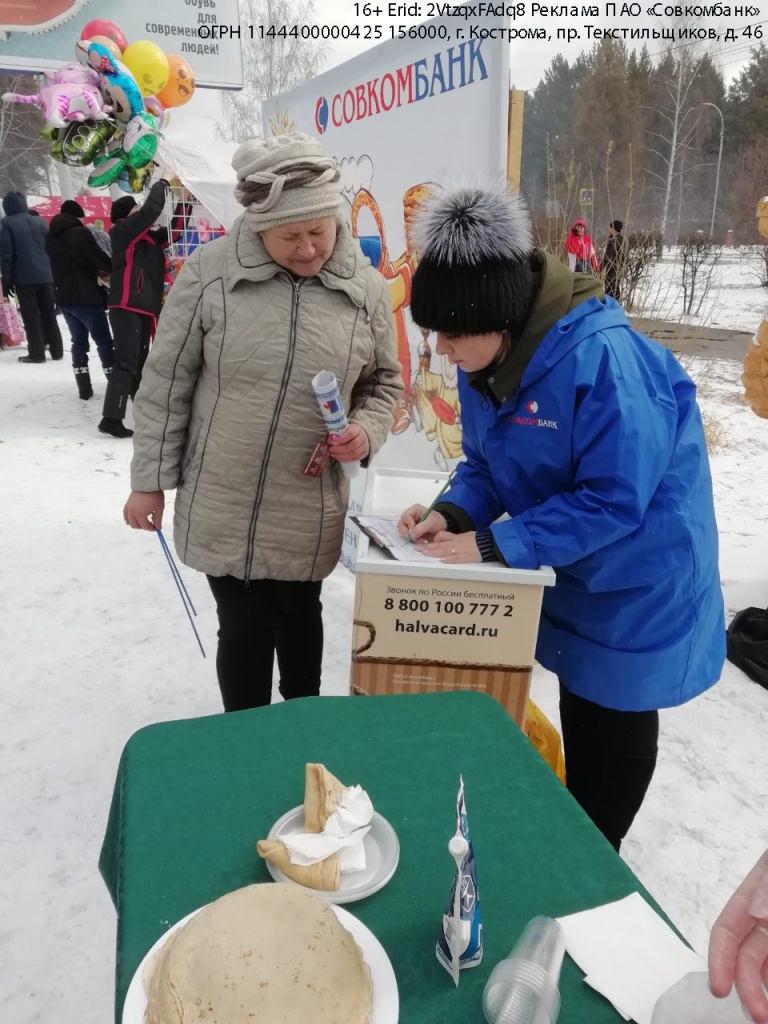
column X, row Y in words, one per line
column 523, row 989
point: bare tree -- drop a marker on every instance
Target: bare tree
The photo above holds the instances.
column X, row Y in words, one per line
column 270, row 66
column 640, row 258
column 699, row 255
column 24, row 160
column 754, row 263
column 674, row 136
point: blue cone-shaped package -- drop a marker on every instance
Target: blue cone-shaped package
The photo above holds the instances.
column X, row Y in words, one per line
column 468, row 926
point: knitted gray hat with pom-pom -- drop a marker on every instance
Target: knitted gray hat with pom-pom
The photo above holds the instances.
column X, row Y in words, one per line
column 285, row 179
column 474, row 241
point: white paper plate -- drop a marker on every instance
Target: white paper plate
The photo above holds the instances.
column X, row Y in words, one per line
column 382, row 855
column 386, row 1001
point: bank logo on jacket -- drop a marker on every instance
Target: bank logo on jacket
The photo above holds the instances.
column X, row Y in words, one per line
column 531, row 420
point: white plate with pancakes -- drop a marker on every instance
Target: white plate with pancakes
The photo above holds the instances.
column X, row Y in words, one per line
column 382, row 855
column 385, row 1001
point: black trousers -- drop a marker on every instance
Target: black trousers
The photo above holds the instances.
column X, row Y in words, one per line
column 132, row 333
column 38, row 311
column 255, row 621
column 610, row 758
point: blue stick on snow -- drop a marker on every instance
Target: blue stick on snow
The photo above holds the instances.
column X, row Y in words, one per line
column 185, row 598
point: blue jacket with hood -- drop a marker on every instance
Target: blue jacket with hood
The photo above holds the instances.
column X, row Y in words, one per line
column 599, row 460
column 23, row 257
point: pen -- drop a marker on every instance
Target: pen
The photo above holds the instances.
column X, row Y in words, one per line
column 443, row 489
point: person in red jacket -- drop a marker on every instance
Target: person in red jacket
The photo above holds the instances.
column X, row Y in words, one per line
column 581, row 251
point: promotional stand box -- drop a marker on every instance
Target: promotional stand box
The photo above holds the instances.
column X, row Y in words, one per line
column 426, row 626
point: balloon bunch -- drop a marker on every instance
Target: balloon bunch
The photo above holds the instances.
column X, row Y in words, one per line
column 108, row 108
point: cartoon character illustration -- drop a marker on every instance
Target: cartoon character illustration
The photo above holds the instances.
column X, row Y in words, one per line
column 73, row 74
column 435, row 404
column 117, row 84
column 431, row 399
column 398, row 274
column 36, row 16
column 73, row 101
column 756, row 360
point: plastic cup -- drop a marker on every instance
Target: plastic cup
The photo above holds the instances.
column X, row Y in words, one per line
column 523, row 989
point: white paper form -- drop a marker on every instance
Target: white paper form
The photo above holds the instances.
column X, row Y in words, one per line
column 383, row 531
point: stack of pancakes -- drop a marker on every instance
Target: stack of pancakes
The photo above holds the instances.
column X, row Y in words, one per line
column 271, row 954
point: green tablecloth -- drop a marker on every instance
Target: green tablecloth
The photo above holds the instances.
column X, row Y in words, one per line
column 193, row 797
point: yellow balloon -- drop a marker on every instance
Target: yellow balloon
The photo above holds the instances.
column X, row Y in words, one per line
column 148, row 65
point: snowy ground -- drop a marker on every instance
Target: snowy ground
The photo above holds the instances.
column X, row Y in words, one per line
column 95, row 645
column 729, row 293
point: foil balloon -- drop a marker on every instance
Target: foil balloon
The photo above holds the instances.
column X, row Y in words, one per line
column 117, row 84
column 181, row 83
column 108, row 166
column 73, row 74
column 108, row 44
column 57, row 150
column 102, row 27
column 63, row 103
column 157, row 110
column 140, row 140
column 148, row 65
column 81, row 52
column 82, row 142
column 134, row 180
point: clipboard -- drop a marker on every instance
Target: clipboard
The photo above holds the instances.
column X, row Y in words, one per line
column 382, row 530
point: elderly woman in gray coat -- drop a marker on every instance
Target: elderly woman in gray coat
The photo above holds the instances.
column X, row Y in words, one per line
column 226, row 413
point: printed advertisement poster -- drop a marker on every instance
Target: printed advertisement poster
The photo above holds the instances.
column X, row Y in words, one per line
column 36, row 35
column 398, row 118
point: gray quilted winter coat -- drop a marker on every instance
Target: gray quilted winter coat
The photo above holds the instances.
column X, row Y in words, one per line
column 226, row 410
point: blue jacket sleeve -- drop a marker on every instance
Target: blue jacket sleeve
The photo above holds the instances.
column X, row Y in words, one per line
column 472, row 489
column 623, row 437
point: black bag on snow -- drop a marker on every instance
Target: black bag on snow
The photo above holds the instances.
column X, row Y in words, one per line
column 748, row 643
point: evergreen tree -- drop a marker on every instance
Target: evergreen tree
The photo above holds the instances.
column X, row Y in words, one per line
column 746, row 109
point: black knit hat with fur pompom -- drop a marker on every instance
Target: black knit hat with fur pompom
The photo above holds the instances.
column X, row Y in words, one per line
column 474, row 275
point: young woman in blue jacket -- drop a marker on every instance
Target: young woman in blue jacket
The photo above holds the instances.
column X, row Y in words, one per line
column 585, row 451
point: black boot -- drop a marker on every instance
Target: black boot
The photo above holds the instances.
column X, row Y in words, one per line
column 83, row 380
column 115, row 428
column 29, row 359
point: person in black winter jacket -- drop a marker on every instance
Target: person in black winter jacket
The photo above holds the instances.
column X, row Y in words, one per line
column 135, row 297
column 25, row 269
column 615, row 259
column 76, row 260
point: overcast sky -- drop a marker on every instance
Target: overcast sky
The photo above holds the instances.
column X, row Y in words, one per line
column 528, row 60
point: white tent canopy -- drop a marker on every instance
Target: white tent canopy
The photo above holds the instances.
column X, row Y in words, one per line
column 205, row 169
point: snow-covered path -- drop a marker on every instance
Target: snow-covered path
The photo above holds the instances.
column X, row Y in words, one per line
column 95, row 644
